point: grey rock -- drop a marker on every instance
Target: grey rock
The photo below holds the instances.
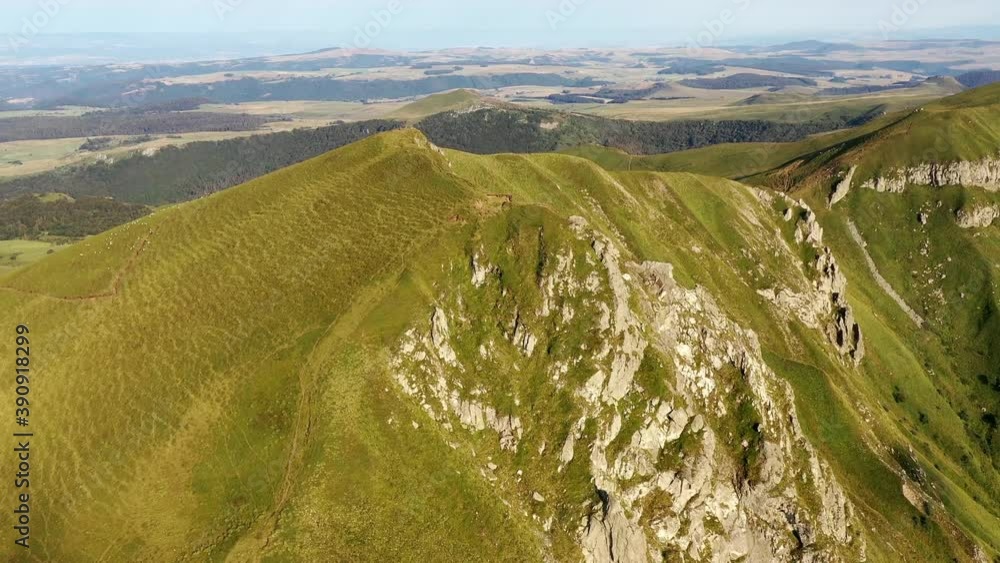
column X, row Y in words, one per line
column 843, row 187
column 984, row 173
column 609, row 536
column 441, row 337
column 978, row 217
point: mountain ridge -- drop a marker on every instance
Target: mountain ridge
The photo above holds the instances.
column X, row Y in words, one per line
column 361, row 322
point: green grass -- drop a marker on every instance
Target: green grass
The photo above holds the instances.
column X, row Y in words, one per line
column 725, row 161
column 456, row 100
column 922, row 382
column 17, row 253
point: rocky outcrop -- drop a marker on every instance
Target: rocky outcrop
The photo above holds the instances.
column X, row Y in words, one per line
column 610, row 536
column 433, row 350
column 844, row 332
column 668, row 475
column 625, row 325
column 978, row 217
column 842, row 188
column 705, row 342
column 825, row 306
column 983, row 173
column 808, row 229
column 479, row 271
column 440, row 336
column 522, row 337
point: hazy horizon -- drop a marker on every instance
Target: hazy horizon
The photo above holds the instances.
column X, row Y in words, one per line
column 402, row 24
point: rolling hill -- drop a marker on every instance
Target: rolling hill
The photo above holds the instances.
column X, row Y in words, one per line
column 458, row 120
column 952, row 141
column 400, row 352
column 960, row 131
column 456, row 100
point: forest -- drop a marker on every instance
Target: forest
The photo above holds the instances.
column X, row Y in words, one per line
column 522, row 130
column 33, row 217
column 181, row 173
column 107, row 123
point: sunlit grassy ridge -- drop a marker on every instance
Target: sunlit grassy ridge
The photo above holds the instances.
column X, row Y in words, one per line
column 456, row 100
column 213, row 380
column 963, row 127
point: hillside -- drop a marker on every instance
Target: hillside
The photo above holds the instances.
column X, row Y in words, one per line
column 979, row 78
column 176, row 174
column 98, row 124
column 746, row 80
column 33, row 217
column 502, row 128
column 948, row 132
column 395, row 352
column 726, row 160
column 955, row 140
column 456, row 100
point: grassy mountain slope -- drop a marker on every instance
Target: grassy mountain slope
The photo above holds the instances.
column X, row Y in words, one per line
column 176, row 174
column 456, row 100
column 964, row 127
column 732, row 160
column 936, row 375
column 271, row 409
column 908, row 256
column 180, row 174
column 218, row 428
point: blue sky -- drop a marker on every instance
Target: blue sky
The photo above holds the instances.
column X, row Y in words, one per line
column 542, row 23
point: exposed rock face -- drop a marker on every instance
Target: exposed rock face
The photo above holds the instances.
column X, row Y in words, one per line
column 844, row 333
column 469, row 412
column 983, row 173
column 826, row 305
column 706, row 341
column 440, row 337
column 808, row 229
column 978, row 217
column 626, row 326
column 610, row 536
column 842, row 188
column 522, row 338
column 479, row 272
column 668, row 475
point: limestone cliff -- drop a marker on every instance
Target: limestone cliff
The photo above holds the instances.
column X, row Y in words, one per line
column 983, row 173
column 700, row 456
